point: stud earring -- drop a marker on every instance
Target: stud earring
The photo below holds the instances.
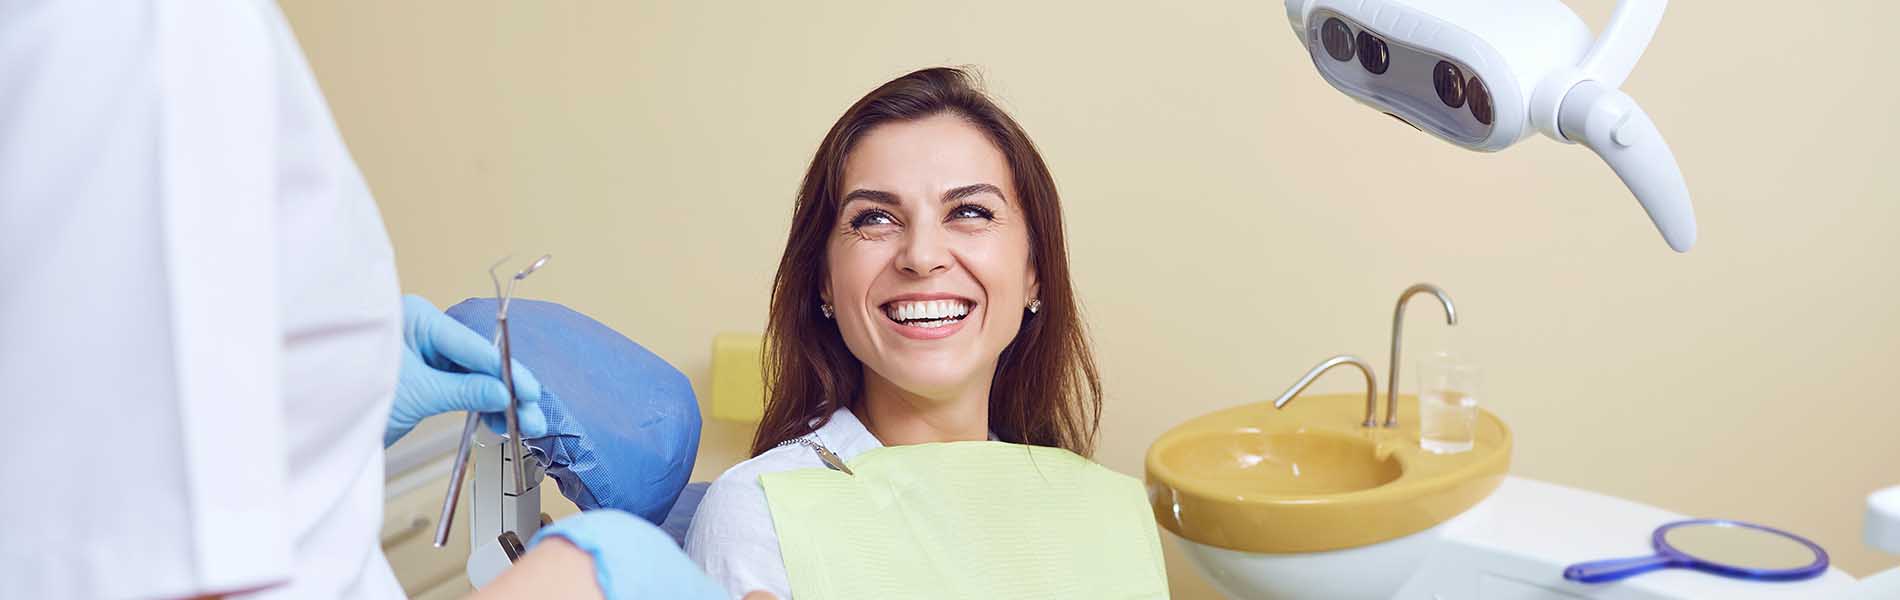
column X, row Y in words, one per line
column 1035, row 304
column 825, row 308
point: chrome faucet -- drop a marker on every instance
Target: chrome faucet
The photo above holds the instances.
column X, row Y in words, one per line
column 1372, row 385
column 1398, row 325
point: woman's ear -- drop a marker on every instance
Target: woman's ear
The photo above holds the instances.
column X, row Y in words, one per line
column 1034, row 288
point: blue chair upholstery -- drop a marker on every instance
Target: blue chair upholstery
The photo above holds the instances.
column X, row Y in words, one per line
column 681, row 517
column 623, row 425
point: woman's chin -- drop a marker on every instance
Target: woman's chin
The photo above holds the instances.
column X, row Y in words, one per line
column 937, row 382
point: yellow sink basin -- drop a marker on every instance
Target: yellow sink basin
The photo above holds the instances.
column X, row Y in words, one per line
column 1303, row 462
column 1310, row 479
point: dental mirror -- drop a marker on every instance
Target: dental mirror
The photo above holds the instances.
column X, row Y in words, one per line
column 1719, row 547
column 535, row 266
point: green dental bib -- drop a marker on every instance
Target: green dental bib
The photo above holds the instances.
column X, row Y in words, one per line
column 966, row 520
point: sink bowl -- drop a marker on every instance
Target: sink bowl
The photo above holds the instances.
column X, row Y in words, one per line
column 1310, row 479
column 1251, row 463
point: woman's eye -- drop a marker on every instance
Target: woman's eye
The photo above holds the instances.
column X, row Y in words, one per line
column 972, row 211
column 872, row 218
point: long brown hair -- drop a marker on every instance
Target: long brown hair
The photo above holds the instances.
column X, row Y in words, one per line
column 1045, row 391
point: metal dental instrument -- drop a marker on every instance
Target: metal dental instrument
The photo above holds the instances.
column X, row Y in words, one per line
column 459, row 470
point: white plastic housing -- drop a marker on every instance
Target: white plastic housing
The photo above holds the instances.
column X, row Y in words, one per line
column 496, row 508
column 1510, row 44
column 1882, row 528
column 1533, row 56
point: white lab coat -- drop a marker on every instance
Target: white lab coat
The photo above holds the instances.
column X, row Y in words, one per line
column 199, row 317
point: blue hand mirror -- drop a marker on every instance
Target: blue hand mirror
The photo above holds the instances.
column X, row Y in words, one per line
column 1719, row 547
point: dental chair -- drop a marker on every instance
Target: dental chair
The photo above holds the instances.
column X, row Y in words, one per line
column 681, row 517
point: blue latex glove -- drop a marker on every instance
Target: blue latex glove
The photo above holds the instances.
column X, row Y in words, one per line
column 633, row 560
column 446, row 367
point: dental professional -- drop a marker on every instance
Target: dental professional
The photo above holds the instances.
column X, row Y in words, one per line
column 923, row 296
column 201, row 328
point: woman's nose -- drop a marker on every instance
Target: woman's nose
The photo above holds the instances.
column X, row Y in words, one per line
column 924, row 253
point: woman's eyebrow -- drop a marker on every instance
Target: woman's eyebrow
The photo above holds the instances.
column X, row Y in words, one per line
column 877, row 196
column 960, row 193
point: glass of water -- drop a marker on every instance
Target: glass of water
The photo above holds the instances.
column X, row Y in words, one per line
column 1447, row 403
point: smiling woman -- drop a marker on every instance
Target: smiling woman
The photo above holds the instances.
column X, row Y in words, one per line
column 923, row 296
column 925, row 189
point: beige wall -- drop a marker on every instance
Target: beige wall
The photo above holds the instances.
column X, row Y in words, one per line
column 1233, row 219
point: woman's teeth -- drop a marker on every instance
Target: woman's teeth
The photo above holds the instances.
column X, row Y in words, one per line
column 927, row 314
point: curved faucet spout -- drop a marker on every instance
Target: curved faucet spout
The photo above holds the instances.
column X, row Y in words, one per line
column 1372, row 385
column 1398, row 325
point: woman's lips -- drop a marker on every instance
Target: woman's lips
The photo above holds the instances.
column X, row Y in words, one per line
column 916, row 332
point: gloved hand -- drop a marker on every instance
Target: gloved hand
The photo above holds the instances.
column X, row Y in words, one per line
column 633, row 560
column 446, row 367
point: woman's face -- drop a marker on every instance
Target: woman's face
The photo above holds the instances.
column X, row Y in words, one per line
column 929, row 264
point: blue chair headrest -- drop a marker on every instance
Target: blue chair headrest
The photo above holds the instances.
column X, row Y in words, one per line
column 623, row 425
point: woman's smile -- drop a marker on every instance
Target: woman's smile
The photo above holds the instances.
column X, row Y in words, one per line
column 927, row 316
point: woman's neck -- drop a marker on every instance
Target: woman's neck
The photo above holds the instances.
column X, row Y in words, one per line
column 899, row 418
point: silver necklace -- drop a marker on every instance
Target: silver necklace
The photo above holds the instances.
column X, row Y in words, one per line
column 824, row 454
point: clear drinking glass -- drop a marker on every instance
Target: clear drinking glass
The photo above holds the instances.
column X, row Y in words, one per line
column 1447, row 403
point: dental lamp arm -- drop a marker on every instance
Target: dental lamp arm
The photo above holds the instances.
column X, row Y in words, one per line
column 1608, row 122
column 1623, row 40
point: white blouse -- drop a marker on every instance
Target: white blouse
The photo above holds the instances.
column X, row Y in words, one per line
column 732, row 536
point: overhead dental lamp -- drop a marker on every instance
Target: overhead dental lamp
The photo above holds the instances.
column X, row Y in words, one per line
column 1484, row 74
